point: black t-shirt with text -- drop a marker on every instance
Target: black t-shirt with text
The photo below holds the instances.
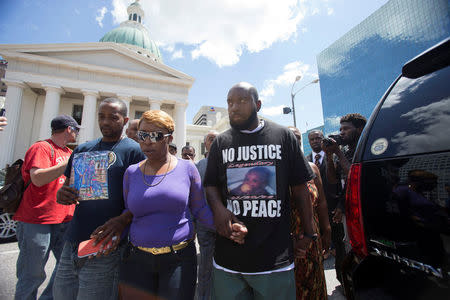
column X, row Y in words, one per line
column 253, row 171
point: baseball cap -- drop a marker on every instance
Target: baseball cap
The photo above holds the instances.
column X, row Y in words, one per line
column 64, row 121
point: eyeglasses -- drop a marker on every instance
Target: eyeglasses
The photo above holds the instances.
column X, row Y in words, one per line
column 154, row 136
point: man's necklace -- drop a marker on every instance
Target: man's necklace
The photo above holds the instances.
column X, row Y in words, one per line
column 152, row 185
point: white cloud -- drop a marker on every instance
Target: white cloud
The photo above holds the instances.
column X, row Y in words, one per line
column 290, row 72
column 272, row 110
column 330, row 11
column 100, row 15
column 221, row 30
column 177, row 54
column 119, row 11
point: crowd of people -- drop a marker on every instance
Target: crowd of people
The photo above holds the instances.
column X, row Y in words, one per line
column 265, row 216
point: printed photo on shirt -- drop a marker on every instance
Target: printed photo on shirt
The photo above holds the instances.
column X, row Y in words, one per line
column 252, row 181
column 89, row 174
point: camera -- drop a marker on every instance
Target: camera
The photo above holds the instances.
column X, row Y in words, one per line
column 335, row 137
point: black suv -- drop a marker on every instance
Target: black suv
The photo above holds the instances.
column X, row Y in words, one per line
column 398, row 192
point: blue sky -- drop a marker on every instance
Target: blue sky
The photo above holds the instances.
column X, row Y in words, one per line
column 219, row 43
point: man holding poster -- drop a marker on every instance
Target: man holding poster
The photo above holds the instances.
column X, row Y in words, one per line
column 95, row 175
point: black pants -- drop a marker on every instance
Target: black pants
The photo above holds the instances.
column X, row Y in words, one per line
column 169, row 276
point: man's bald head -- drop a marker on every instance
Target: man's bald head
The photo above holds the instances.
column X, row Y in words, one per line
column 248, row 87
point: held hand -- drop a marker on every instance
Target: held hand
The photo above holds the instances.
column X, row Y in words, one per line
column 239, row 232
column 223, row 219
column 337, row 215
column 67, row 195
column 109, row 232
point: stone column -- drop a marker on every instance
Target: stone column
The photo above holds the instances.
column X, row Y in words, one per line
column 88, row 118
column 155, row 105
column 13, row 103
column 51, row 109
column 180, row 124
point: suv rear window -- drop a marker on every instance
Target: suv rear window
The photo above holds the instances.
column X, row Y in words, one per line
column 414, row 118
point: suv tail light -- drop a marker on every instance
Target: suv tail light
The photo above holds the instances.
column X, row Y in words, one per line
column 353, row 212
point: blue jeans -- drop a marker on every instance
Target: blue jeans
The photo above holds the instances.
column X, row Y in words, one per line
column 168, row 276
column 206, row 240
column 35, row 242
column 86, row 279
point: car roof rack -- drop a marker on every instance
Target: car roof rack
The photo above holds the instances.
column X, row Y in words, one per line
column 432, row 59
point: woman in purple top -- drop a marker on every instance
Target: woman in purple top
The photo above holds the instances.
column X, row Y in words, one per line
column 161, row 194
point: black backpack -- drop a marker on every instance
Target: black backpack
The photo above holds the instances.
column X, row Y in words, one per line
column 11, row 193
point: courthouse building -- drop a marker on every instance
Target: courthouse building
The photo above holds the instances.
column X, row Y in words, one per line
column 45, row 80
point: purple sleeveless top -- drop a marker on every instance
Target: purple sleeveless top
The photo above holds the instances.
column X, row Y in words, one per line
column 162, row 213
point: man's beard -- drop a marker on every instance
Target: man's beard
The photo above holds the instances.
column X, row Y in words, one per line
column 352, row 140
column 247, row 123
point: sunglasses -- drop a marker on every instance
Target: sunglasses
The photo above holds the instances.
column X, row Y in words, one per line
column 154, row 136
column 76, row 130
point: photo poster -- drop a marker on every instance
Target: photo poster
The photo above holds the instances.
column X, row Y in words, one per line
column 255, row 182
column 89, row 174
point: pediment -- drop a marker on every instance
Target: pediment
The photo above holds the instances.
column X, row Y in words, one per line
column 102, row 55
column 105, row 58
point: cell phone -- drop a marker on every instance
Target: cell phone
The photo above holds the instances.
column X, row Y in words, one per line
column 2, row 112
column 87, row 248
column 337, row 138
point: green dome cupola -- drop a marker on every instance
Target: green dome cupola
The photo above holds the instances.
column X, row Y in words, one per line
column 134, row 34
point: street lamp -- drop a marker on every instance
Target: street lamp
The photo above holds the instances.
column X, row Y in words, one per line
column 293, row 94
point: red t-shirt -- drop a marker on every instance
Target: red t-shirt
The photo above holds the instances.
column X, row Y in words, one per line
column 38, row 204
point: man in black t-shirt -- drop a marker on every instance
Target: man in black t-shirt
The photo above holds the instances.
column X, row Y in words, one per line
column 263, row 265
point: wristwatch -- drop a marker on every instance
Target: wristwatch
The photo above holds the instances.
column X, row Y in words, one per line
column 313, row 237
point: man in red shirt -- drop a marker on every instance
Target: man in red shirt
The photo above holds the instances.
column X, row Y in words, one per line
column 42, row 221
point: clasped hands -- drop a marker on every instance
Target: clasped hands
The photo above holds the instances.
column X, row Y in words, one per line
column 228, row 225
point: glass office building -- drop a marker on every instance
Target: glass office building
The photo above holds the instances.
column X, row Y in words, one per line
column 356, row 70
